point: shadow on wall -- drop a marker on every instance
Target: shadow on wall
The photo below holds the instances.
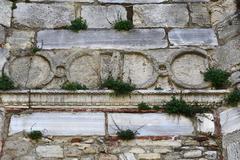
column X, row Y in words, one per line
column 238, row 5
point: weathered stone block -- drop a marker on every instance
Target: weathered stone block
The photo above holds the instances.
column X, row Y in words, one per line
column 205, row 123
column 149, row 156
column 233, row 151
column 150, row 124
column 4, row 53
column 162, row 15
column 104, row 39
column 61, row 124
column 132, row 1
column 211, row 155
column 21, row 39
column 193, row 37
column 200, row 15
column 51, row 151
column 5, row 12
column 2, row 34
column 89, row 1
column 37, row 15
column 193, row 1
column 127, row 156
column 193, row 154
column 103, row 16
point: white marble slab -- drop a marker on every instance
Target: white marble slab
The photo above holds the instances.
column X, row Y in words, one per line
column 230, row 120
column 193, row 37
column 132, row 1
column 59, row 123
column 205, row 123
column 102, row 39
column 150, row 124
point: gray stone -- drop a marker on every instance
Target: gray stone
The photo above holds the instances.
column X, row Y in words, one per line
column 150, row 124
column 5, row 12
column 161, row 15
column 233, row 151
column 211, row 155
column 205, row 123
column 191, row 1
column 21, row 39
column 192, row 154
column 59, row 123
column 229, row 120
column 149, row 156
column 36, row 15
column 193, row 37
column 51, row 151
column 127, row 156
column 2, row 34
column 2, row 120
column 200, row 15
column 132, row 1
column 4, row 53
column 103, row 16
column 89, row 1
column 18, row 147
column 104, row 39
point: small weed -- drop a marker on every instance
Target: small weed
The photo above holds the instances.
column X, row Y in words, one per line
column 119, row 87
column 35, row 50
column 218, row 77
column 73, row 86
column 126, row 134
column 180, row 107
column 77, row 25
column 123, row 25
column 144, row 106
column 35, row 135
column 158, row 88
column 233, row 98
column 6, row 83
column 156, row 108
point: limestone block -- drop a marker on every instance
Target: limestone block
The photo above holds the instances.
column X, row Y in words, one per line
column 211, row 155
column 149, row 156
column 233, row 151
column 4, row 53
column 127, row 156
column 21, row 39
column 200, row 15
column 193, row 154
column 88, row 1
column 59, row 123
column 193, row 1
column 2, row 34
column 229, row 120
column 37, row 15
column 2, row 120
column 161, row 15
column 50, row 151
column 103, row 16
column 5, row 12
column 193, row 37
column 150, row 124
column 205, row 123
column 103, row 39
column 18, row 147
column 132, row 1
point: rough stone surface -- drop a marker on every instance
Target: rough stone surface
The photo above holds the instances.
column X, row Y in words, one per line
column 193, row 154
column 200, row 15
column 131, row 1
column 89, row 1
column 105, row 39
column 211, row 155
column 193, row 37
column 149, row 156
column 127, row 156
column 2, row 34
column 2, row 120
column 206, row 123
column 103, row 16
column 162, row 15
column 21, row 39
column 150, row 124
column 4, row 53
column 52, row 151
column 60, row 124
column 233, row 151
column 5, row 12
column 34, row 15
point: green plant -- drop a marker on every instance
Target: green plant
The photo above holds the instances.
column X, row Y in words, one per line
column 180, row 107
column 36, row 49
column 78, row 24
column 218, row 77
column 126, row 134
column 123, row 25
column 35, row 135
column 6, row 83
column 73, row 86
column 119, row 87
column 233, row 98
column 156, row 108
column 143, row 106
column 158, row 88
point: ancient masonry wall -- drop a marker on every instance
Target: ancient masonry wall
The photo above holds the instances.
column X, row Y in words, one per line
column 173, row 42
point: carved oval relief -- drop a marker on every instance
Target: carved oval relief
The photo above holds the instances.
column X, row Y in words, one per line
column 186, row 69
column 139, row 70
column 30, row 71
column 84, row 70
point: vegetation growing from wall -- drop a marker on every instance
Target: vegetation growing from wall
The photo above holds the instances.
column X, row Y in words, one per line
column 73, row 86
column 123, row 25
column 119, row 87
column 217, row 77
column 233, row 98
column 35, row 135
column 126, row 134
column 6, row 83
column 77, row 25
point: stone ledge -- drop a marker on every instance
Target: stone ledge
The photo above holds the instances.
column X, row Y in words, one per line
column 91, row 99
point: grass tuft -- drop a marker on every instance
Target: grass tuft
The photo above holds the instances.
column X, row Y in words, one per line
column 6, row 83
column 123, row 25
column 35, row 135
column 77, row 25
column 233, row 98
column 126, row 134
column 144, row 106
column 73, row 86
